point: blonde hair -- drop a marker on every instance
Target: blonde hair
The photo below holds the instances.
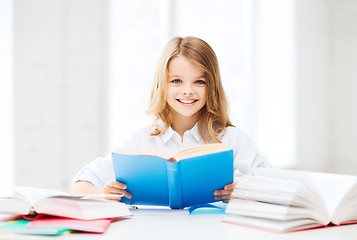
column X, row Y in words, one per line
column 214, row 115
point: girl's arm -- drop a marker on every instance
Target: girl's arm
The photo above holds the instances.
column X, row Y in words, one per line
column 113, row 187
column 83, row 187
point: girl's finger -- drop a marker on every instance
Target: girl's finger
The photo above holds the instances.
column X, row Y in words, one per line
column 116, row 184
column 223, row 192
column 222, row 197
column 230, row 186
column 126, row 194
column 110, row 190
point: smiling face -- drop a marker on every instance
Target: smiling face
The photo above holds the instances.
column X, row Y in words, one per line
column 186, row 89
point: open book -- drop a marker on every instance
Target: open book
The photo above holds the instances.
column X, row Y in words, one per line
column 32, row 201
column 287, row 200
column 188, row 178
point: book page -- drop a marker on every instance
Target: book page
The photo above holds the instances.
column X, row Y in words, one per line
column 6, row 191
column 19, row 199
column 32, row 194
column 144, row 152
column 329, row 188
column 274, row 225
column 182, row 154
column 201, row 150
column 305, row 178
column 81, row 208
column 332, row 188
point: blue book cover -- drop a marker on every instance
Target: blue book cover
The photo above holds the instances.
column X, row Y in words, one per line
column 186, row 179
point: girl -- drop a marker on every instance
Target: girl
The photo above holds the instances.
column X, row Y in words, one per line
column 190, row 107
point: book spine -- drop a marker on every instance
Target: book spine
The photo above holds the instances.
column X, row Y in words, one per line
column 174, row 184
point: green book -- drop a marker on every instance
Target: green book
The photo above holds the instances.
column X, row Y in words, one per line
column 20, row 226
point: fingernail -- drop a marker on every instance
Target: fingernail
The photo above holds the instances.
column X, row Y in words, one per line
column 215, row 193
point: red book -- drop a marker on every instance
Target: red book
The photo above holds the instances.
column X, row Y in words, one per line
column 93, row 226
column 30, row 202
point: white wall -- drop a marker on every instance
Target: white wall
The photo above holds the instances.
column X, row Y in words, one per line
column 313, row 44
column 61, row 87
column 326, row 82
column 344, row 86
column 60, row 81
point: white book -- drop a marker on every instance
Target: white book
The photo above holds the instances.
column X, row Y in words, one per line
column 288, row 200
column 32, row 201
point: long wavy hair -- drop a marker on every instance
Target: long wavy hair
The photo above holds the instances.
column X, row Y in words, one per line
column 214, row 115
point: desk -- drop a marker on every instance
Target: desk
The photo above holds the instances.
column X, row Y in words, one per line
column 178, row 224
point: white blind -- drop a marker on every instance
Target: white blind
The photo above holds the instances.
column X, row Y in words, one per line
column 6, row 106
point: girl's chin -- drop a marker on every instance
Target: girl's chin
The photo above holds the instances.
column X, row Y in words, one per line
column 186, row 114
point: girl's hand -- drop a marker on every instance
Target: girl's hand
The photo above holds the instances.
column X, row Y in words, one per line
column 224, row 194
column 115, row 187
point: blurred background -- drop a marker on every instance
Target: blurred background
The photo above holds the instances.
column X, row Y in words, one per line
column 75, row 77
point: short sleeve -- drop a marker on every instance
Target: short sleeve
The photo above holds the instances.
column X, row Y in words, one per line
column 246, row 156
column 98, row 172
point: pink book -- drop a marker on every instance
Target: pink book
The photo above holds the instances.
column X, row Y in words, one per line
column 94, row 226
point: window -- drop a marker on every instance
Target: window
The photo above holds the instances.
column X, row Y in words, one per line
column 243, row 34
column 273, row 77
column 6, row 108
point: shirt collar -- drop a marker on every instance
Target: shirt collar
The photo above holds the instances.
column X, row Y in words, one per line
column 169, row 133
column 195, row 133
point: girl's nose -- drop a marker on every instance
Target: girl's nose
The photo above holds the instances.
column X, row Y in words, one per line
column 187, row 91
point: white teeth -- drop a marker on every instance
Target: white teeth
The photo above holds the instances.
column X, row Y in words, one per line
column 186, row 101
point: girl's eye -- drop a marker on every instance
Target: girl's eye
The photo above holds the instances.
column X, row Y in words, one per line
column 176, row 81
column 200, row 82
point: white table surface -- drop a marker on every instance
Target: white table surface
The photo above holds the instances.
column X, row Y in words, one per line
column 154, row 223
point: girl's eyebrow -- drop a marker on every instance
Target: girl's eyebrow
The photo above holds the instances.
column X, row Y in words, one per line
column 201, row 76
column 181, row 76
column 174, row 76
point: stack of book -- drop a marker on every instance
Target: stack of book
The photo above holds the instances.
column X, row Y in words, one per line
column 48, row 212
column 281, row 200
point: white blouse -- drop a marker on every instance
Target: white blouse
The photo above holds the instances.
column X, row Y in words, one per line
column 100, row 171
